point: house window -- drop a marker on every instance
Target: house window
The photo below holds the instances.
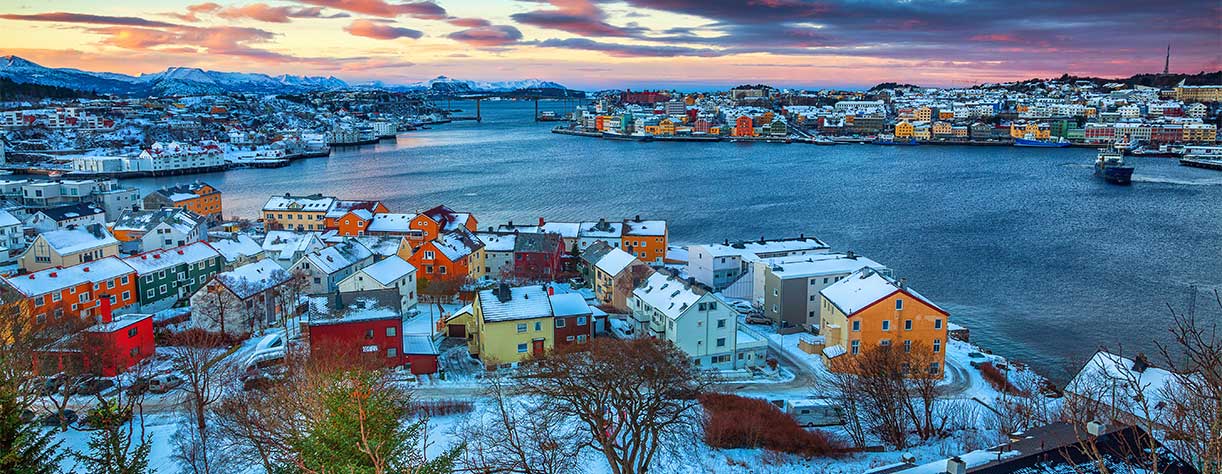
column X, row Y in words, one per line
column 390, row 331
column 581, row 320
column 857, row 325
column 907, row 346
column 392, row 352
column 855, row 347
column 441, row 270
column 582, row 339
column 899, row 304
column 569, row 339
column 933, row 368
column 907, row 324
column 132, row 332
column 721, row 323
column 521, row 327
column 124, row 280
column 150, row 293
column 521, row 348
column 884, row 342
column 721, row 342
column 429, row 255
column 886, row 325
column 161, row 289
column 559, row 322
column 937, row 345
column 83, row 297
column 428, row 269
column 937, row 323
column 702, row 307
column 368, row 334
column 538, row 325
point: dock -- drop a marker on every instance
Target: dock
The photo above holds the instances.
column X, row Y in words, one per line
column 1202, row 163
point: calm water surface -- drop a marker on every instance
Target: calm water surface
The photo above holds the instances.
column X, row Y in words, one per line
column 1042, row 261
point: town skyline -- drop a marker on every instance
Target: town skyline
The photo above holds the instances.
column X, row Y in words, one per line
column 631, row 44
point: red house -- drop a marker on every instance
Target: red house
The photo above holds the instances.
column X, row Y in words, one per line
column 373, row 336
column 538, row 257
column 419, row 354
column 573, row 319
column 108, row 348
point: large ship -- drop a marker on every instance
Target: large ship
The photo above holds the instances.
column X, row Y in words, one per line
column 1028, row 141
column 1110, row 166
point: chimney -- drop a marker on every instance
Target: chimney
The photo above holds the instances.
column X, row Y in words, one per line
column 638, row 218
column 762, row 241
column 551, row 290
column 105, row 308
column 726, row 243
column 1140, row 363
column 956, row 466
column 904, row 284
column 86, row 269
column 541, row 221
column 510, row 223
column 802, row 236
column 1096, row 428
column 850, row 255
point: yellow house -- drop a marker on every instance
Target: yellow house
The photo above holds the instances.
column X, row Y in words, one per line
column 1038, row 131
column 942, row 129
column 868, row 309
column 299, row 213
column 946, row 115
column 920, row 130
column 68, row 247
column 1200, row 132
column 666, row 127
column 511, row 324
column 923, row 113
column 903, row 130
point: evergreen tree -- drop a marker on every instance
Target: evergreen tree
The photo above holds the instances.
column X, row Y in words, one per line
column 115, row 446
column 24, row 448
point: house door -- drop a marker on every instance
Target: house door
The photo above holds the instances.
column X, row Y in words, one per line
column 537, row 347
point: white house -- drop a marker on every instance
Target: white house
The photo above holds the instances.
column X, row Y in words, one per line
column 12, row 240
column 325, row 268
column 240, row 301
column 391, row 272
column 170, row 227
column 286, row 248
column 697, row 321
column 719, row 265
column 56, row 218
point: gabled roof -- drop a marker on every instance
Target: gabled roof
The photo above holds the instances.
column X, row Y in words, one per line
column 7, row 219
column 52, row 279
column 179, row 219
column 568, row 230
column 341, row 207
column 78, row 239
column 615, row 261
column 446, row 218
column 283, row 244
column 339, row 256
column 182, row 192
column 1108, row 378
column 497, row 242
column 640, row 228
column 457, row 244
column 389, row 270
column 233, row 246
column 865, row 287
column 601, row 229
column 523, row 302
column 72, row 211
column 595, row 252
column 253, row 278
column 149, row 262
column 390, row 222
column 805, row 266
column 668, row 294
column 537, row 243
column 287, row 202
column 569, row 304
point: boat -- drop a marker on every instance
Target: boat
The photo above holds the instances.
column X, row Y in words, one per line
column 824, row 141
column 1163, row 151
column 891, row 141
column 635, row 137
column 1207, row 157
column 1034, row 143
column 1110, row 166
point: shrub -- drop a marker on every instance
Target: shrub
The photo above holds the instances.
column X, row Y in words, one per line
column 737, row 422
column 440, row 408
column 997, row 379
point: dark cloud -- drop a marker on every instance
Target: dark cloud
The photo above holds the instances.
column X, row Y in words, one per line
column 495, row 35
column 580, row 17
column 381, row 8
column 64, row 17
column 380, row 30
column 469, row 22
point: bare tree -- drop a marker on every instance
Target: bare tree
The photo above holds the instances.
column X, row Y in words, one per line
column 631, row 398
column 197, row 355
column 1195, row 412
column 842, row 388
column 516, row 438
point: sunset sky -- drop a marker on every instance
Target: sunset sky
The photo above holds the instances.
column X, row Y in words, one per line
column 588, row 44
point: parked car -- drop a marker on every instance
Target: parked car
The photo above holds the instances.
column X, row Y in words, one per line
column 757, row 319
column 138, row 386
column 92, row 386
column 53, row 419
column 741, row 306
column 164, row 383
column 53, row 384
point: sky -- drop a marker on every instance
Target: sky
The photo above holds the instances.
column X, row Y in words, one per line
column 596, row 44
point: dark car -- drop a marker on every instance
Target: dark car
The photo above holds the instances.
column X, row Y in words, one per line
column 757, row 319
column 53, row 419
column 138, row 387
column 92, row 386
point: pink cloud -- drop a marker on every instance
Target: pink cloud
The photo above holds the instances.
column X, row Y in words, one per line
column 417, row 9
column 380, row 30
column 496, row 35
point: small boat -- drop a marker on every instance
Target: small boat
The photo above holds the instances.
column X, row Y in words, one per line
column 892, row 142
column 1034, row 143
column 824, row 141
column 1110, row 166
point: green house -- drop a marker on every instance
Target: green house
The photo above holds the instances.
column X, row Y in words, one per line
column 164, row 277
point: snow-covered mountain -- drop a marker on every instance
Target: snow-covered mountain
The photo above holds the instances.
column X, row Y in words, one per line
column 195, row 81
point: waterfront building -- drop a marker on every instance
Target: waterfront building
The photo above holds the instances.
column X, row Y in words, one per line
column 602, row 231
column 792, row 285
column 1209, row 93
column 720, row 265
column 537, row 257
column 744, row 127
column 498, row 254
column 904, row 130
column 197, row 197
column 868, row 309
column 298, row 213
column 646, row 240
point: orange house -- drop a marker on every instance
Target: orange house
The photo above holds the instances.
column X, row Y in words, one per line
column 744, row 127
column 867, row 309
column 645, row 240
column 453, row 256
column 69, row 295
column 333, row 219
column 429, row 224
column 354, row 222
column 197, row 197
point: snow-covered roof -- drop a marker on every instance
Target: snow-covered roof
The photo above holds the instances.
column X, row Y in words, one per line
column 601, row 229
column 389, row 270
column 314, row 203
column 283, row 244
column 72, row 211
column 810, row 265
column 644, row 228
column 7, row 219
column 234, row 246
column 78, row 239
column 339, row 256
column 418, row 344
column 863, row 288
column 390, row 222
column 667, row 294
column 253, row 278
column 1108, row 378
column 496, row 242
column 569, row 304
column 358, row 314
column 536, row 243
column 384, row 246
column 615, row 261
column 767, row 248
column 524, row 302
column 118, row 322
column 568, row 230
column 457, row 244
column 149, row 262
column 179, row 219
column 341, row 207
column 53, row 279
